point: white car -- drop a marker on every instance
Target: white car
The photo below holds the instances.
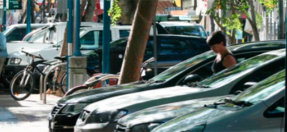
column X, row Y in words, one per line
column 103, row 115
column 258, row 109
column 18, row 31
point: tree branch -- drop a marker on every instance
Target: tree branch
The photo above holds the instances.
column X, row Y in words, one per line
column 222, row 28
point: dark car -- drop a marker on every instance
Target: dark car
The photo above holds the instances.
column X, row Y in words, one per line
column 200, row 64
column 171, row 49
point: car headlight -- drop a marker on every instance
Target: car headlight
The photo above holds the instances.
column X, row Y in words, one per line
column 120, row 114
column 15, row 60
column 74, row 108
column 198, row 128
column 99, row 117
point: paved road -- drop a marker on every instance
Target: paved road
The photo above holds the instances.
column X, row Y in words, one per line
column 29, row 115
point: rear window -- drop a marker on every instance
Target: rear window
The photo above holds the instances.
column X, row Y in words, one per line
column 186, row 30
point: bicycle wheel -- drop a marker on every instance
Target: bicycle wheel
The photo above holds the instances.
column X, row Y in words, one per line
column 64, row 83
column 19, row 92
column 75, row 90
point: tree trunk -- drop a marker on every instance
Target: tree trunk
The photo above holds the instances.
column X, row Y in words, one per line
column 138, row 38
column 128, row 8
column 90, row 11
column 253, row 22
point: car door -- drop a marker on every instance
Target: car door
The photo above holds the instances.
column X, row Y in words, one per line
column 171, row 51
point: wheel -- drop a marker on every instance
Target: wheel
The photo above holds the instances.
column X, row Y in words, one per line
column 21, row 92
column 64, row 83
column 76, row 90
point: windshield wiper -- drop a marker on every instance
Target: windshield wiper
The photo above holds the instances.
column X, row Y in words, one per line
column 227, row 100
column 155, row 81
column 239, row 103
column 196, row 84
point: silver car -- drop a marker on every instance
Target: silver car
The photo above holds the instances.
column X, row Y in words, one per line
column 103, row 115
column 260, row 108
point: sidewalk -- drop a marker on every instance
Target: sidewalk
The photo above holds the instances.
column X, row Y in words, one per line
column 29, row 115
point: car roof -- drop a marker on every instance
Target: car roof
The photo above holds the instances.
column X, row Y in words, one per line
column 24, row 25
column 177, row 23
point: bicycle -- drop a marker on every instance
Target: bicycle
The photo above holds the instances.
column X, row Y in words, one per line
column 23, row 82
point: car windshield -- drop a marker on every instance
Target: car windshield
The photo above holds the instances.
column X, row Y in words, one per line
column 179, row 68
column 186, row 30
column 81, row 32
column 264, row 89
column 238, row 70
column 6, row 31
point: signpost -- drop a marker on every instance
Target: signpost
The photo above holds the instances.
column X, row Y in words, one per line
column 14, row 4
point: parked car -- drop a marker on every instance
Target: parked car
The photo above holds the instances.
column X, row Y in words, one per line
column 171, row 49
column 260, row 108
column 59, row 120
column 18, row 31
column 102, row 116
column 184, row 28
column 147, row 119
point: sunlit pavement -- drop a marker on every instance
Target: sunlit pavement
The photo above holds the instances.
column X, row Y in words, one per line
column 29, row 115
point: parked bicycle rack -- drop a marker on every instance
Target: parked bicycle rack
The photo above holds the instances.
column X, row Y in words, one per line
column 47, row 71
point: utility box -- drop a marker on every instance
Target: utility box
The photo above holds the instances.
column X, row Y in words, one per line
column 77, row 71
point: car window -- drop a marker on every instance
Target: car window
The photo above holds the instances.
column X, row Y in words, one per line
column 199, row 45
column 186, row 30
column 240, row 69
column 181, row 67
column 264, row 89
column 124, row 33
column 172, row 49
column 92, row 38
column 16, row 35
column 120, row 43
column 276, row 110
column 149, row 50
column 206, row 71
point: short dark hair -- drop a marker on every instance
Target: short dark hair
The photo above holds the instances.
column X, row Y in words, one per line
column 216, row 38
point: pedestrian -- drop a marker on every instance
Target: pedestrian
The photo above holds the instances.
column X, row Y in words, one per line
column 224, row 57
column 3, row 51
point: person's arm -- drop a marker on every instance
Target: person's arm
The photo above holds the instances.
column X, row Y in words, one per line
column 229, row 61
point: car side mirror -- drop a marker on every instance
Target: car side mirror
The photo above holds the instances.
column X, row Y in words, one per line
column 191, row 78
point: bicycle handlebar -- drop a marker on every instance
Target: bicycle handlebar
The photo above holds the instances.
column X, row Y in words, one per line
column 31, row 55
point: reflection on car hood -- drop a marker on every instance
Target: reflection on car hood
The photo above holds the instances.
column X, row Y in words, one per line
column 102, row 93
column 163, row 113
column 196, row 117
column 118, row 102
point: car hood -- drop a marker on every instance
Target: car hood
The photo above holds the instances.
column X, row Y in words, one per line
column 163, row 113
column 102, row 93
column 196, row 117
column 119, row 102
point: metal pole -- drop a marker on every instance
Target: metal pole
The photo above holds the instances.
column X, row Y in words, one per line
column 281, row 27
column 77, row 21
column 155, row 46
column 4, row 15
column 28, row 16
column 106, row 38
column 69, row 38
